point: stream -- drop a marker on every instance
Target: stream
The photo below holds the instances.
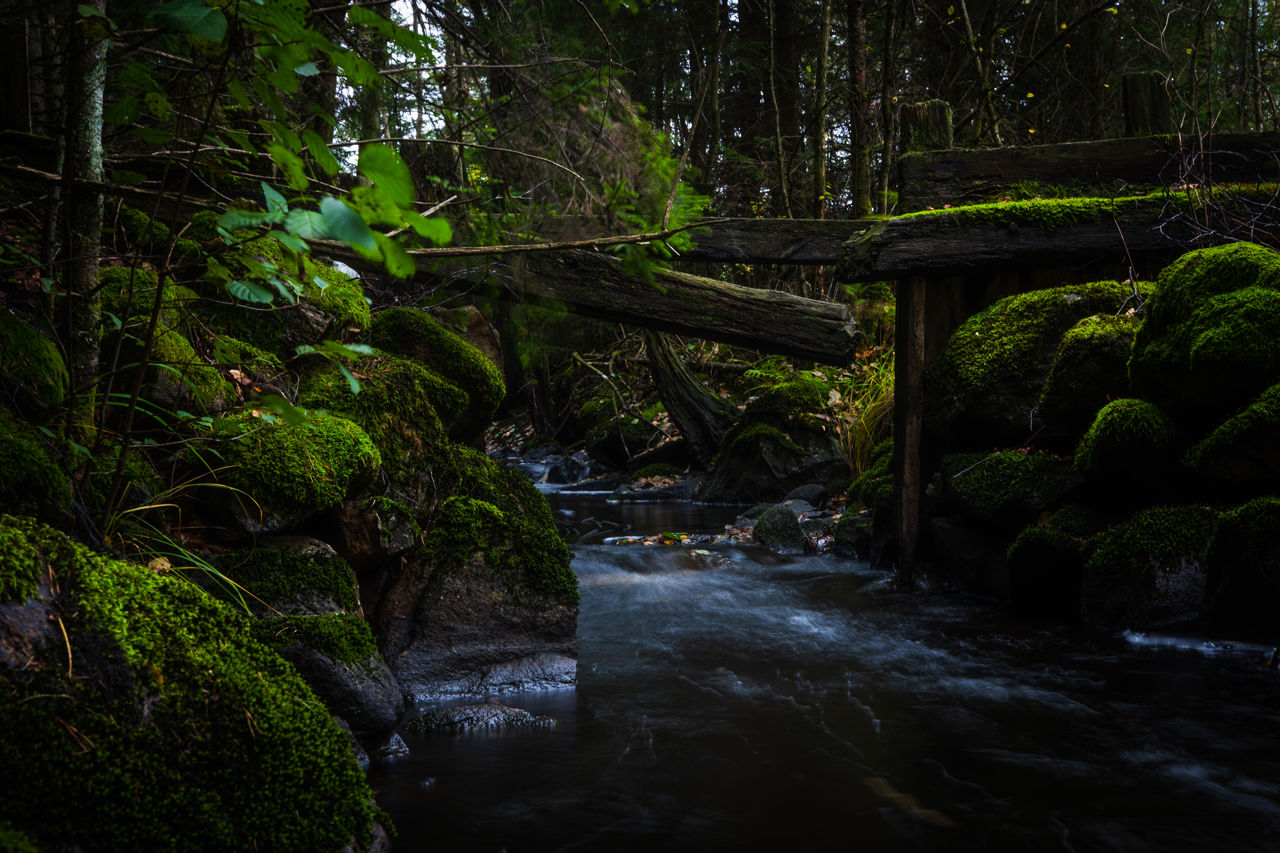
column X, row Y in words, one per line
column 731, row 699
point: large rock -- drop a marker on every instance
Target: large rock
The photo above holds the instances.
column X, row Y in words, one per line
column 1046, row 566
column 1009, row 489
column 1242, row 596
column 488, row 603
column 986, row 384
column 1091, row 368
column 1129, row 449
column 33, row 376
column 1149, row 572
column 1244, row 451
column 1211, row 340
column 779, row 530
column 140, row 714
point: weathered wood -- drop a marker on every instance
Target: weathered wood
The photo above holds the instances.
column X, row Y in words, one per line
column 966, row 241
column 596, row 285
column 770, row 241
column 927, row 126
column 908, row 417
column 938, row 178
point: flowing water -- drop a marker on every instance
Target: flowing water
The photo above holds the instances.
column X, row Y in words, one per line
column 729, row 699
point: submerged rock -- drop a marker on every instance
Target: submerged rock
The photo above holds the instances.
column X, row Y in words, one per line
column 779, row 530
column 471, row 718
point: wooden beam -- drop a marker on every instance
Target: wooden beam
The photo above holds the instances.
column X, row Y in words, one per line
column 771, row 241
column 932, row 179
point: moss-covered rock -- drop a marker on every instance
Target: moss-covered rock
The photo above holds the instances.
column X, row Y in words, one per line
column 293, row 471
column 759, row 460
column 33, row 376
column 779, row 530
column 168, row 727
column 1008, row 489
column 1244, row 451
column 1090, row 368
column 1211, row 340
column 401, row 405
column 1242, row 596
column 32, row 482
column 1130, row 441
column 1148, row 572
column 986, row 384
column 1045, row 567
column 298, row 577
column 417, row 335
column 487, row 594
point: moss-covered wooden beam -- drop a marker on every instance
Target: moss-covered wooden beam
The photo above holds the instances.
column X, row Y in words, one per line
column 936, row 178
column 1056, row 232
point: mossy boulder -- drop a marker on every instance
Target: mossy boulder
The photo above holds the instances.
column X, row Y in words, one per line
column 778, row 529
column 33, row 376
column 287, row 576
column 1091, row 367
column 987, row 382
column 417, row 335
column 851, row 536
column 1244, row 451
column 1008, row 489
column 156, row 722
column 1046, row 566
column 1131, row 442
column 487, row 603
column 1242, row 597
column 289, row 472
column 762, row 461
column 403, row 406
column 32, row 482
column 1211, row 340
column 1149, row 572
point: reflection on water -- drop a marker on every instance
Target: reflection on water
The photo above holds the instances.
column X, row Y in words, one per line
column 729, row 699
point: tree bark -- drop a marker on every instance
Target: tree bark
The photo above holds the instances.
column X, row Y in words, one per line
column 859, row 132
column 702, row 418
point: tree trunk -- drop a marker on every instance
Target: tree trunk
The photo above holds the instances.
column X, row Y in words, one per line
column 820, row 115
column 86, row 80
column 859, row 133
column 701, row 417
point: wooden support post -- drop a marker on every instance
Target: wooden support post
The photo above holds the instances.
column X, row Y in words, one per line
column 908, row 418
column 927, row 126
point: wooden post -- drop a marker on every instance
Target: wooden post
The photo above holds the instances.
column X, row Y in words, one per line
column 1147, row 109
column 908, row 417
column 926, row 126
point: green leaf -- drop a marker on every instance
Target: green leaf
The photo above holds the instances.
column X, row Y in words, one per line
column 320, row 153
column 86, row 11
column 159, row 105
column 275, row 201
column 307, row 69
column 320, row 283
column 375, row 205
column 193, row 17
column 233, row 219
column 284, row 288
column 345, row 224
column 394, row 257
column 249, row 292
column 384, row 168
column 436, row 230
column 290, row 241
column 283, row 409
column 307, row 224
column 290, row 165
column 126, row 178
column 351, row 379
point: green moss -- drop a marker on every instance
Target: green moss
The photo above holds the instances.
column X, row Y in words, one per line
column 1038, row 538
column 314, row 463
column 797, row 397
column 1127, row 437
column 1211, row 339
column 342, row 637
column 141, row 228
column 1077, row 521
column 874, row 489
column 415, row 334
column 1243, row 448
column 1008, row 488
column 173, row 354
column 1154, row 538
column 33, row 375
column 233, row 352
column 175, row 729
column 657, row 469
column 401, row 405
column 1090, row 368
column 32, row 483
column 15, row 841
column 988, row 379
column 528, row 554
column 277, row 575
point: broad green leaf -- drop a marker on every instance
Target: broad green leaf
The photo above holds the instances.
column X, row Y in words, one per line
column 159, row 105
column 290, row 166
column 233, row 219
column 436, row 230
column 319, row 282
column 352, row 382
column 307, row 69
column 237, row 92
column 307, row 224
column 275, row 201
column 216, row 273
column 394, row 257
column 124, row 111
column 193, row 17
column 320, row 153
column 375, row 206
column 283, row 409
column 86, row 11
column 384, row 168
column 248, row 291
column 345, row 224
column 283, row 288
column 290, row 241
